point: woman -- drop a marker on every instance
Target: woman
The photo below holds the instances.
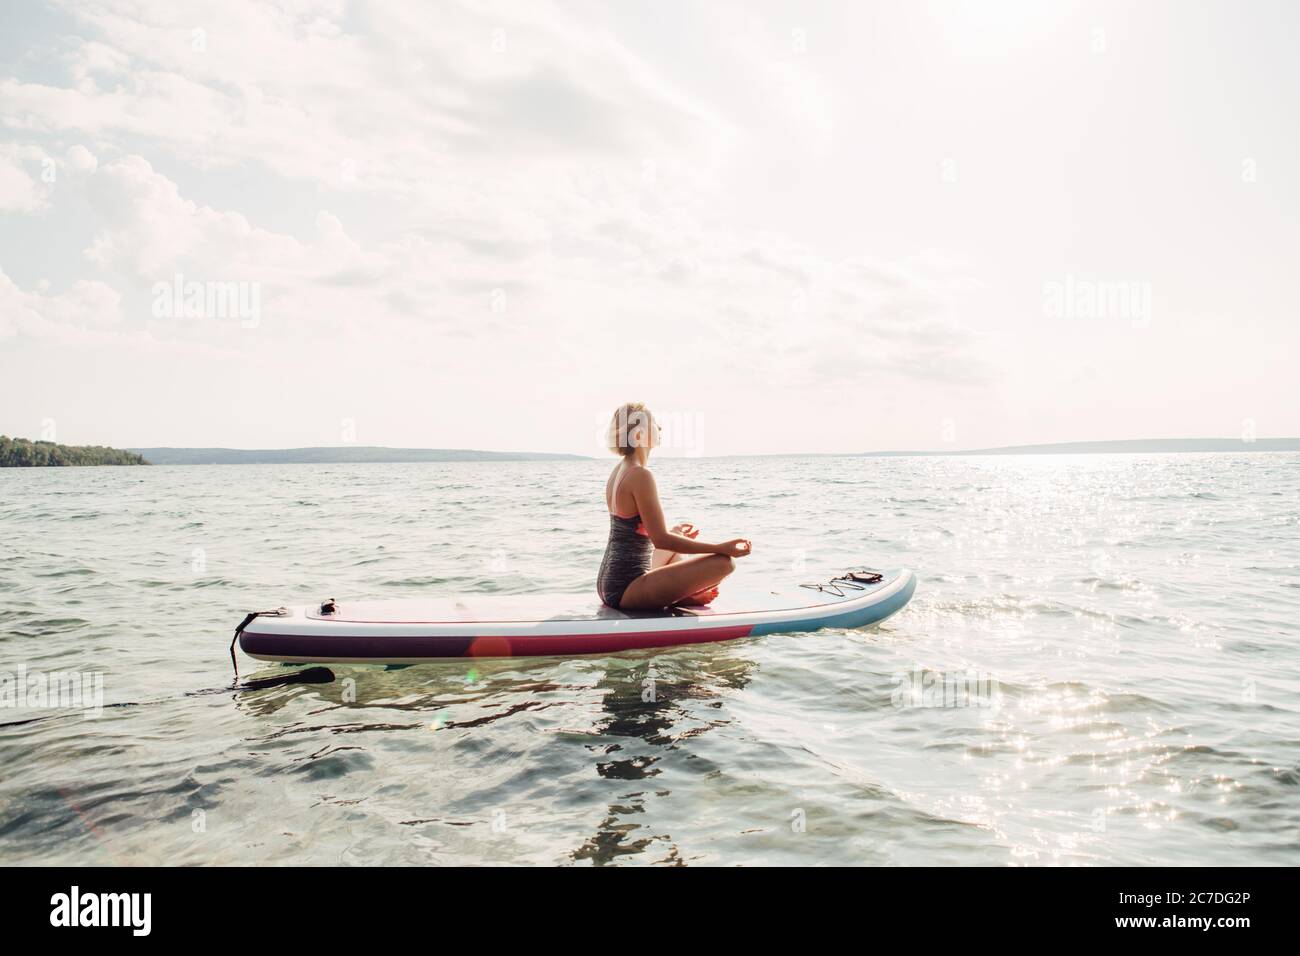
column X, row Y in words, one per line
column 645, row 565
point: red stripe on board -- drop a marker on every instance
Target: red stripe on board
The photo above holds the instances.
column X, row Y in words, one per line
column 326, row 647
column 559, row 644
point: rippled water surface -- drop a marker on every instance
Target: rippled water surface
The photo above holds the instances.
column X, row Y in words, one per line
column 1116, row 635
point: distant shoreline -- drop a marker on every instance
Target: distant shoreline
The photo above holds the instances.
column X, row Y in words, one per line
column 374, row 454
column 342, row 455
column 26, row 453
column 383, row 455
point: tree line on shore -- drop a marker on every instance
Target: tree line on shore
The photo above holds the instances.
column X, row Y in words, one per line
column 23, row 453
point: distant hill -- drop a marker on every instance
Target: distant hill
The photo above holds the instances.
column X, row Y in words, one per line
column 345, row 454
column 1147, row 446
column 23, row 453
column 19, row 451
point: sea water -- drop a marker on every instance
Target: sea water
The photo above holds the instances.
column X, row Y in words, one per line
column 1100, row 666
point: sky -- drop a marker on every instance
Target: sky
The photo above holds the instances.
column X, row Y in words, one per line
column 787, row 227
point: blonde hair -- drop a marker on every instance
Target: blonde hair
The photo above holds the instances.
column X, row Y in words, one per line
column 629, row 419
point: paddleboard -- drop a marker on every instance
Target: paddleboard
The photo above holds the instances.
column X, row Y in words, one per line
column 489, row 625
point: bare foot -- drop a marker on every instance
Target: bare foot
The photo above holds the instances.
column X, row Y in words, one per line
column 700, row 598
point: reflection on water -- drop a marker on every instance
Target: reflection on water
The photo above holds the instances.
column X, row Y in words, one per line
column 640, row 716
column 1135, row 615
column 646, row 720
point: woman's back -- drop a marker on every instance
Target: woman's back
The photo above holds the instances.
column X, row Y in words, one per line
column 623, row 505
column 628, row 550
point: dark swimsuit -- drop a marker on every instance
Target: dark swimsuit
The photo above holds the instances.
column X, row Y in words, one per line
column 627, row 555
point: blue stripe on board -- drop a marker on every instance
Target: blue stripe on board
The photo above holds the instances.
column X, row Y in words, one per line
column 871, row 614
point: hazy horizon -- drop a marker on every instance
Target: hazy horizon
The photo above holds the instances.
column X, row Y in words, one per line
column 789, row 229
column 1246, row 445
column 1255, row 445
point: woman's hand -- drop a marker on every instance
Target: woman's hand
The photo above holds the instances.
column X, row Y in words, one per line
column 684, row 538
column 735, row 548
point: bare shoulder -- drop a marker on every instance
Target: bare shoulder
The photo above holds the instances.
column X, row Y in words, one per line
column 639, row 476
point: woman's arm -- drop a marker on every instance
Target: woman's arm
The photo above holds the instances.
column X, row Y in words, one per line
column 646, row 494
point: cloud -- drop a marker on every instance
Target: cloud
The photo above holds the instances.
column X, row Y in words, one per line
column 477, row 200
column 78, row 315
column 329, row 282
column 387, row 102
column 768, row 303
column 19, row 191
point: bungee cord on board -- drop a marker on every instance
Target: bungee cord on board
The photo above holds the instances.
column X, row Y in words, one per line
column 855, row 579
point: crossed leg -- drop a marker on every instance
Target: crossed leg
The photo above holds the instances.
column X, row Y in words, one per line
column 662, row 556
column 675, row 580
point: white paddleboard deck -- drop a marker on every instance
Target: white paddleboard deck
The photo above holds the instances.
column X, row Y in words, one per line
column 493, row 625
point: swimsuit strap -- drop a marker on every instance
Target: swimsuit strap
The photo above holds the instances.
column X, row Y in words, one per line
column 613, row 495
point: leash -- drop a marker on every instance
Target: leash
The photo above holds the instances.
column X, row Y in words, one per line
column 278, row 612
